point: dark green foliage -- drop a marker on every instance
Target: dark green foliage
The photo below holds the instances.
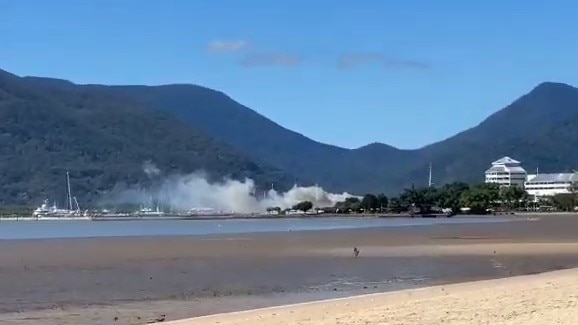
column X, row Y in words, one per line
column 419, row 200
column 351, row 204
column 48, row 127
column 374, row 203
column 481, row 197
column 396, row 205
column 450, row 196
column 564, row 202
column 382, row 201
column 276, row 209
column 369, row 202
column 303, row 206
column 540, row 129
column 513, row 197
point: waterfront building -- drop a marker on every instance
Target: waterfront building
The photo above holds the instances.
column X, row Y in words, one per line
column 506, row 172
column 541, row 185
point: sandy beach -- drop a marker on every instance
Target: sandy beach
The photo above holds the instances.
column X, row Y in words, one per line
column 129, row 280
column 548, row 298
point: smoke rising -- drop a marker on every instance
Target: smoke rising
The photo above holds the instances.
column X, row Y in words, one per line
column 150, row 169
column 194, row 191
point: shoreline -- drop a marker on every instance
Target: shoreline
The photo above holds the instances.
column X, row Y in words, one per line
column 515, row 300
column 221, row 217
column 176, row 217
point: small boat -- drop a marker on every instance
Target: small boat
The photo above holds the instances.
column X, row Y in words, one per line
column 148, row 212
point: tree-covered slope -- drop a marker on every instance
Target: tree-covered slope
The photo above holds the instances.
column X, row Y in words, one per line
column 539, row 129
column 49, row 126
column 262, row 139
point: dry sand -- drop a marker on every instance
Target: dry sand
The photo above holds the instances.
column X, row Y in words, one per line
column 548, row 298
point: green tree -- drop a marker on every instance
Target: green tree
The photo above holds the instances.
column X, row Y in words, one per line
column 382, row 202
column 481, row 197
column 352, row 200
column 350, row 204
column 450, row 196
column 419, row 200
column 395, row 205
column 369, row 202
column 564, row 202
column 513, row 197
column 303, row 206
column 274, row 209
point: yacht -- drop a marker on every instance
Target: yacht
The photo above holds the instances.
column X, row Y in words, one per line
column 52, row 212
column 148, row 212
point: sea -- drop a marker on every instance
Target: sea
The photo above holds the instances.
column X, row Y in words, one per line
column 87, row 229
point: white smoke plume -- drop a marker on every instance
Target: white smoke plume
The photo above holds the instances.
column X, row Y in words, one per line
column 150, row 169
column 194, row 191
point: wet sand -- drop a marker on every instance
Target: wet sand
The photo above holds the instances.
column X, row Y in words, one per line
column 92, row 281
column 547, row 298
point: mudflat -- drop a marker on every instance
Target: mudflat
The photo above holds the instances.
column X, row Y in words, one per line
column 133, row 279
column 546, row 298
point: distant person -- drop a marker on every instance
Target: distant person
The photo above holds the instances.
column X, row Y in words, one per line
column 355, row 251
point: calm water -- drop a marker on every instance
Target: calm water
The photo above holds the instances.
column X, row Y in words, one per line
column 71, row 229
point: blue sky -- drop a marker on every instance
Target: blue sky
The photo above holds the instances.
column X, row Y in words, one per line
column 342, row 72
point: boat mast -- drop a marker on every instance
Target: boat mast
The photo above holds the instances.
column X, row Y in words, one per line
column 429, row 183
column 68, row 191
column 76, row 203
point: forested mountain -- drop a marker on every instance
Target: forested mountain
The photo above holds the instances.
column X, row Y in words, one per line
column 103, row 134
column 540, row 128
column 262, row 139
column 49, row 126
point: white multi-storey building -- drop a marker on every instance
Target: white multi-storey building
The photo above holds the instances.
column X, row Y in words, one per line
column 506, row 172
column 540, row 185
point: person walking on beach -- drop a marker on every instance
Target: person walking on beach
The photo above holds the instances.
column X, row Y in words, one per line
column 355, row 251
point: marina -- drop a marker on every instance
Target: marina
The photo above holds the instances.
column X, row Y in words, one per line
column 51, row 212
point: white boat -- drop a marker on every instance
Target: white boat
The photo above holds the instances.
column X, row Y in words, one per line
column 207, row 212
column 148, row 212
column 52, row 212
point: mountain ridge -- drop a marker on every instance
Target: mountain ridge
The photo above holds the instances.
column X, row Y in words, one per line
column 548, row 111
column 64, row 82
column 542, row 87
column 503, row 132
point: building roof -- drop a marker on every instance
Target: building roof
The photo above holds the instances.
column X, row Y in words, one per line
column 506, row 169
column 554, row 178
column 506, row 161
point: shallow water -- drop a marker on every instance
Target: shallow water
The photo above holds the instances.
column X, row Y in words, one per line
column 82, row 229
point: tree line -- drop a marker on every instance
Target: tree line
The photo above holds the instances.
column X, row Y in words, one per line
column 451, row 198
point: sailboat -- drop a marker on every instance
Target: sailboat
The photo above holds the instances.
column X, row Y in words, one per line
column 52, row 212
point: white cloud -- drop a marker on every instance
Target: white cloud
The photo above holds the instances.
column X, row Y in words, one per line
column 228, row 46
